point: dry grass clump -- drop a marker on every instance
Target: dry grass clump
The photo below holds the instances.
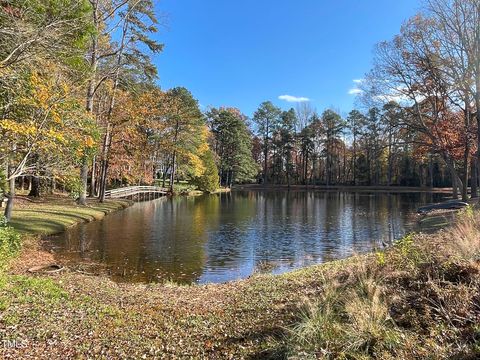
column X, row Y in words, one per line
column 463, row 240
column 349, row 320
column 419, row 299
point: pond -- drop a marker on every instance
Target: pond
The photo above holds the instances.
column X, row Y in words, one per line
column 223, row 237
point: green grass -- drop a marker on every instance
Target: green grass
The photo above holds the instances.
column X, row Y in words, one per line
column 48, row 218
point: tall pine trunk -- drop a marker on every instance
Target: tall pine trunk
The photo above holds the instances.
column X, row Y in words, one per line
column 82, row 199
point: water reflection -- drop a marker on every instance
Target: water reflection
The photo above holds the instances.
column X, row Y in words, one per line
column 216, row 238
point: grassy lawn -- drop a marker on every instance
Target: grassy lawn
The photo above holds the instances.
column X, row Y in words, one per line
column 55, row 214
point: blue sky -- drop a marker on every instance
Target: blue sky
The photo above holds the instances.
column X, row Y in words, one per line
column 242, row 52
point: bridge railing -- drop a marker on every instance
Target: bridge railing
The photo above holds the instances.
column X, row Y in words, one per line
column 133, row 190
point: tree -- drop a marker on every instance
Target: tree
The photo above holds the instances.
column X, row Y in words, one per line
column 266, row 118
column 33, row 33
column 304, row 114
column 355, row 122
column 44, row 128
column 208, row 181
column 404, row 73
column 232, row 142
column 333, row 125
column 454, row 26
column 138, row 22
column 306, row 149
column 35, row 30
column 391, row 119
column 184, row 130
column 286, row 141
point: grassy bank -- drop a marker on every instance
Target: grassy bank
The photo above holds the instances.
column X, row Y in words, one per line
column 54, row 214
column 419, row 299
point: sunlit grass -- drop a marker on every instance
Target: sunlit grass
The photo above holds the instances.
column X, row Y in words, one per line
column 51, row 217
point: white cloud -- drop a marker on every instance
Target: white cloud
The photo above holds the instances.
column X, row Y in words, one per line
column 355, row 91
column 290, row 98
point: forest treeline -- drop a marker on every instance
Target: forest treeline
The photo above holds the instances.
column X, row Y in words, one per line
column 81, row 109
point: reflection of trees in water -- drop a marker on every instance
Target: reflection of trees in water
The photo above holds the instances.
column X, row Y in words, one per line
column 231, row 236
column 220, row 237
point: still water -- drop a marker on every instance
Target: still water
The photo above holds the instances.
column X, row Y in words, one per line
column 217, row 238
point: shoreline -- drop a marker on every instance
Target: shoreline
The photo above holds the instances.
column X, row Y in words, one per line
column 347, row 188
column 27, row 214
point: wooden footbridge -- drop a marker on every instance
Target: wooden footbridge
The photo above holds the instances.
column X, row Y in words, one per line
column 136, row 192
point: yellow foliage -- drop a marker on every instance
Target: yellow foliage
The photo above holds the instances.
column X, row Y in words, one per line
column 196, row 164
column 204, row 147
column 89, row 142
column 18, row 129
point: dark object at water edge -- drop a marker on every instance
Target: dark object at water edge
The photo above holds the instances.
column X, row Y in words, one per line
column 52, row 268
column 447, row 205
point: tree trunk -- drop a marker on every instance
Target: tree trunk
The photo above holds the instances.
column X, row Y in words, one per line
column 474, row 178
column 164, row 176
column 172, row 174
column 103, row 180
column 456, row 181
column 328, row 169
column 35, row 189
column 35, row 185
column 430, row 170
column 92, row 179
column 265, row 162
column 454, row 187
column 104, row 165
column 477, row 108
column 354, row 161
column 305, row 169
column 10, row 199
column 82, row 199
column 465, row 175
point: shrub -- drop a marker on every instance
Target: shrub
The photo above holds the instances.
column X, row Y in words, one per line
column 73, row 185
column 407, row 254
column 381, row 259
column 9, row 243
